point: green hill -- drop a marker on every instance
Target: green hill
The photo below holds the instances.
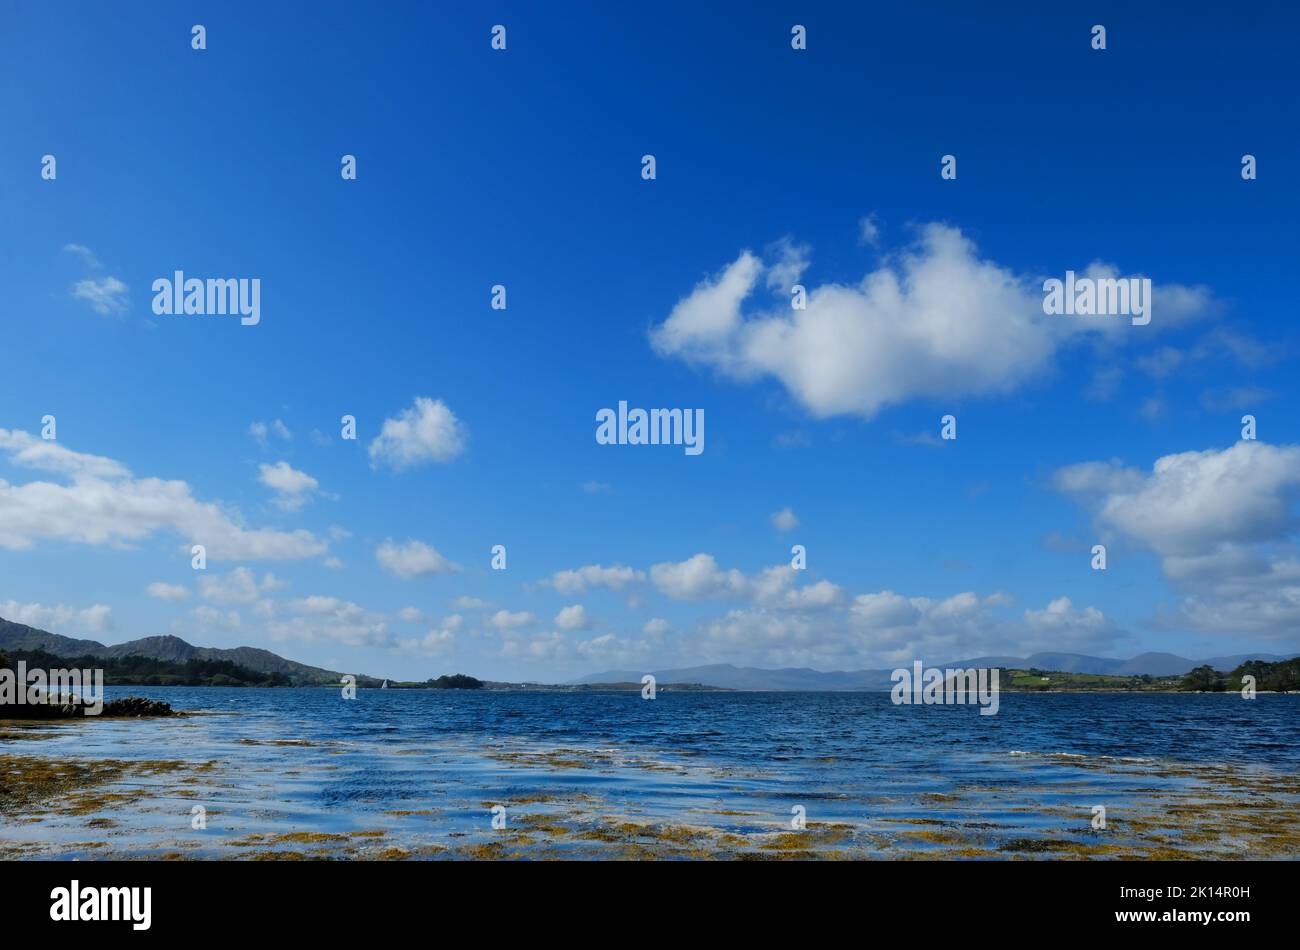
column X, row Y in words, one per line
column 18, row 638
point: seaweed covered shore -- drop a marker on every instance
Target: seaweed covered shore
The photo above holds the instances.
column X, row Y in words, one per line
column 555, row 805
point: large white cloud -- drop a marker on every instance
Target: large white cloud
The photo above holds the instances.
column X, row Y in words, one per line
column 100, row 502
column 934, row 321
column 1222, row 521
column 1193, row 502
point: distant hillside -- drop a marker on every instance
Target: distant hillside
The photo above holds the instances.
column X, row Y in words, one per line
column 727, row 676
column 137, row 670
column 18, row 637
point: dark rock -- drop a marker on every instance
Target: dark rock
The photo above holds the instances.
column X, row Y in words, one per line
column 132, row 707
column 136, row 707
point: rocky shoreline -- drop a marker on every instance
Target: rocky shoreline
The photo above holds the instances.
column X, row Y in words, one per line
column 131, row 707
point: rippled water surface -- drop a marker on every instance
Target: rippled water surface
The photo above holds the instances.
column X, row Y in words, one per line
column 417, row 773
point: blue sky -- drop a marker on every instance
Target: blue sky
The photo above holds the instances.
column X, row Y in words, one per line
column 522, row 167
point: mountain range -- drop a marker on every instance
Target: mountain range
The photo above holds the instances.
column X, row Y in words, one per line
column 17, row 636
column 727, row 676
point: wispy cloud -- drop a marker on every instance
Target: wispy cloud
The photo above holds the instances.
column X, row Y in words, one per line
column 86, row 255
column 107, row 297
column 262, row 432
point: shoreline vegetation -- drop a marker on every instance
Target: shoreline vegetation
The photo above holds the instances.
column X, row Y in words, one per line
column 1278, row 677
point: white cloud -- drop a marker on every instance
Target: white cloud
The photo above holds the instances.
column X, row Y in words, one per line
column 437, row 642
column 608, row 650
column 412, row 559
column 700, row 578
column 885, row 629
column 426, row 432
column 656, row 627
column 1060, row 619
column 106, row 297
column 774, row 587
column 572, row 618
column 104, row 504
column 594, row 575
column 240, row 586
column 869, row 231
column 331, row 619
column 470, row 603
column 784, row 520
column 1233, row 398
column 210, row 619
column 86, row 254
column 1091, row 478
column 967, row 625
column 547, row 647
column 933, row 322
column 1222, row 522
column 505, row 620
column 263, row 431
column 697, row 578
column 45, row 455
column 411, row 614
column 791, row 260
column 57, row 618
column 292, row 487
column 162, row 591
column 322, row 605
column 1194, row 502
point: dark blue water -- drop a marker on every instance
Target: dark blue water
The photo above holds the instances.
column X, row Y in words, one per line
column 421, row 769
column 785, row 730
